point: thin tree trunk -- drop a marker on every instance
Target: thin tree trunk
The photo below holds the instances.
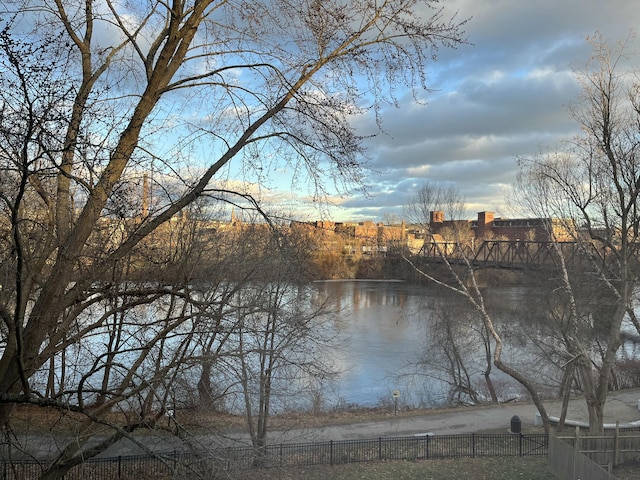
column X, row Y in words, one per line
column 565, row 392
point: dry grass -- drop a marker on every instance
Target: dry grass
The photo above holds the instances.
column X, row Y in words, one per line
column 42, row 419
column 295, row 420
column 520, row 468
column 629, row 471
column 38, row 418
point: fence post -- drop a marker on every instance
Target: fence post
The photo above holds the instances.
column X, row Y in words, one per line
column 281, row 454
column 330, row 452
column 473, row 445
column 576, row 452
column 120, row 466
column 427, row 447
column 175, row 461
column 616, row 445
column 520, row 444
column 379, row 448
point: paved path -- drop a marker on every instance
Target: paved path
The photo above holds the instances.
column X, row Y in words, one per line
column 621, row 406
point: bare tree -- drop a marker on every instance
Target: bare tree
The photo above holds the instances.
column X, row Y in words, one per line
column 593, row 184
column 431, row 198
column 97, row 95
column 282, row 335
column 460, row 278
column 450, row 354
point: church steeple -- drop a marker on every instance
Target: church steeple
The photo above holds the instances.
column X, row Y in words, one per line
column 235, row 221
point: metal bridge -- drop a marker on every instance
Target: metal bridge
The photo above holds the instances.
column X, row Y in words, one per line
column 511, row 254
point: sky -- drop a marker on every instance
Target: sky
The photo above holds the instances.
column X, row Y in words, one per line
column 504, row 95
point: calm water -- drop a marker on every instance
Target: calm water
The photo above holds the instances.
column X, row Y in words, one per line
column 388, row 325
column 384, row 325
column 386, row 329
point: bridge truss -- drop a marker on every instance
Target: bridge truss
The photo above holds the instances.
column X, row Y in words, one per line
column 512, row 254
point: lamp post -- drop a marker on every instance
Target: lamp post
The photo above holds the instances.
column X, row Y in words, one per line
column 396, row 395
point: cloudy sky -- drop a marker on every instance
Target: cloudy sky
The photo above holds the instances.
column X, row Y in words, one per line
column 506, row 95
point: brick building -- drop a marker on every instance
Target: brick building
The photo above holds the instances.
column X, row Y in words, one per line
column 357, row 237
column 487, row 227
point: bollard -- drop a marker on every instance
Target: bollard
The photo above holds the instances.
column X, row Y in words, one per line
column 538, row 420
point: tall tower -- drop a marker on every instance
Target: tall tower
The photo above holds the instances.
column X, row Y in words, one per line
column 485, row 224
column 145, row 196
column 436, row 217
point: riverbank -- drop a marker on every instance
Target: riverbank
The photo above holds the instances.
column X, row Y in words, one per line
column 621, row 406
column 390, row 269
column 358, row 423
column 205, row 431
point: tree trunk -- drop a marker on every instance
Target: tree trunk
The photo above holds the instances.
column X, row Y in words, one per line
column 490, row 386
column 595, row 408
column 565, row 392
column 205, row 393
column 486, row 339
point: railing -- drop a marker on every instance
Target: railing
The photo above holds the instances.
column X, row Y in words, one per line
column 191, row 464
column 514, row 253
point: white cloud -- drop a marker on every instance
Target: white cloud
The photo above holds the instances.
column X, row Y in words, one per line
column 504, row 96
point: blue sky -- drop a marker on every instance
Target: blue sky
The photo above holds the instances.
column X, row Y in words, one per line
column 506, row 95
column 503, row 95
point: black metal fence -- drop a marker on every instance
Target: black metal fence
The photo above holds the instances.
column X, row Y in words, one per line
column 177, row 465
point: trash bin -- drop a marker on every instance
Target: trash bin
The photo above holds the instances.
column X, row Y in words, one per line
column 516, row 424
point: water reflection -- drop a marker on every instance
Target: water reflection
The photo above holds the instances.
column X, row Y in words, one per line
column 387, row 326
column 384, row 325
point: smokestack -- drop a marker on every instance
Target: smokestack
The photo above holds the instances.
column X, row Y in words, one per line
column 145, row 196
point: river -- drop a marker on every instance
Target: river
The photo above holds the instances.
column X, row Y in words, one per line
column 387, row 327
column 384, row 326
column 388, row 349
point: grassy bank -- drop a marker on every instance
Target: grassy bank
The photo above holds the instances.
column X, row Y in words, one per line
column 521, row 468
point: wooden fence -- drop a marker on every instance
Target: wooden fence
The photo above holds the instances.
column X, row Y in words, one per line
column 586, row 456
column 568, row 463
column 612, row 447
